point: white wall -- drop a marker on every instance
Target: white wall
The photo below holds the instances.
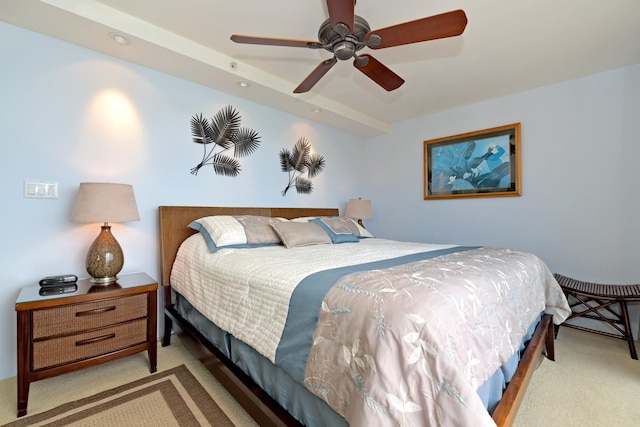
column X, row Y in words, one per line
column 58, row 123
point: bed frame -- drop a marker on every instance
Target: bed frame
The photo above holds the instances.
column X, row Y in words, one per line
column 174, row 221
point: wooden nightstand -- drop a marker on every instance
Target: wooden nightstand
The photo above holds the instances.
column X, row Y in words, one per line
column 95, row 324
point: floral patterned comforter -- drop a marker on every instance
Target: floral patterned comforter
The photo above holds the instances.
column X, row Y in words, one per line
column 410, row 345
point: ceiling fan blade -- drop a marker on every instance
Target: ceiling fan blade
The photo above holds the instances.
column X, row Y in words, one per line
column 270, row 41
column 379, row 73
column 448, row 24
column 315, row 75
column 341, row 12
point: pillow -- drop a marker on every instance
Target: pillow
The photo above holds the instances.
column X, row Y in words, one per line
column 304, row 218
column 295, row 234
column 362, row 232
column 356, row 229
column 241, row 231
column 337, row 229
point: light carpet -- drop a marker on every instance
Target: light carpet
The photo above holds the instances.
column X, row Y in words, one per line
column 149, row 401
column 593, row 382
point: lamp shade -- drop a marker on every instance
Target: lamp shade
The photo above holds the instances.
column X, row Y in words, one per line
column 105, row 202
column 359, row 209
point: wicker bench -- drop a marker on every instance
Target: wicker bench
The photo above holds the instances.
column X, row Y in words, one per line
column 595, row 300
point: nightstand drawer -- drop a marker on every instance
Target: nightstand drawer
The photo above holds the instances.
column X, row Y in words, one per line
column 58, row 351
column 81, row 317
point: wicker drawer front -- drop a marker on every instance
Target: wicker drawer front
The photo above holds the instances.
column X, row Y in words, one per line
column 58, row 351
column 81, row 317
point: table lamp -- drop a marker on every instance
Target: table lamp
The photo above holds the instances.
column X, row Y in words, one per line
column 359, row 209
column 104, row 202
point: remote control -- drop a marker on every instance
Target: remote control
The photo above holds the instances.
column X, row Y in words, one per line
column 59, row 280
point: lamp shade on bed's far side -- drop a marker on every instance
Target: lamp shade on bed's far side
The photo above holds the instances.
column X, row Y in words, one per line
column 105, row 202
column 359, row 209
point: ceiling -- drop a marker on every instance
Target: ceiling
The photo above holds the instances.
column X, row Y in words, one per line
column 508, row 46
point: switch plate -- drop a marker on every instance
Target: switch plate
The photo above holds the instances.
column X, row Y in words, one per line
column 40, row 189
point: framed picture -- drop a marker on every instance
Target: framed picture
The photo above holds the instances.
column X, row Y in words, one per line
column 485, row 163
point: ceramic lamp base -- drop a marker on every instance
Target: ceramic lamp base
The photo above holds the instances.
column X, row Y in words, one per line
column 105, row 258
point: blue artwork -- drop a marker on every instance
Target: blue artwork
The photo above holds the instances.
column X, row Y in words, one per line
column 473, row 165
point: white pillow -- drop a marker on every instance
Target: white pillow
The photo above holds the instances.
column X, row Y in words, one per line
column 240, row 231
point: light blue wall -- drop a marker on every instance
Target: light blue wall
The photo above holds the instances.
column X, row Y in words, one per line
column 579, row 205
column 57, row 124
column 580, row 151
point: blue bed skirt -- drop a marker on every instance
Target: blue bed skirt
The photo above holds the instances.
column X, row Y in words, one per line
column 308, row 409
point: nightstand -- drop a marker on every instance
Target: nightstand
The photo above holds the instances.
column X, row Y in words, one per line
column 62, row 333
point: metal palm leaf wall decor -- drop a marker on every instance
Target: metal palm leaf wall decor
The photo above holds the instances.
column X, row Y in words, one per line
column 220, row 135
column 298, row 162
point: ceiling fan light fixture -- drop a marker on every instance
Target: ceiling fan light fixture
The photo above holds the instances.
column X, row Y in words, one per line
column 344, row 50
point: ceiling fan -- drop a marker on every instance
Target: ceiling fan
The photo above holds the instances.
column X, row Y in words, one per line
column 344, row 34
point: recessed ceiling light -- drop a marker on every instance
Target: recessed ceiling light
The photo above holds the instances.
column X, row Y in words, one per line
column 119, row 38
column 317, row 110
column 242, row 83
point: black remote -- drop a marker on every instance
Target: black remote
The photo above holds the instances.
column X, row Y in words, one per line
column 62, row 279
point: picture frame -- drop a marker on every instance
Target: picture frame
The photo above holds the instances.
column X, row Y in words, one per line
column 484, row 163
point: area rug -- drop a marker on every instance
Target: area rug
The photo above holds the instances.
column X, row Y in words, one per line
column 170, row 398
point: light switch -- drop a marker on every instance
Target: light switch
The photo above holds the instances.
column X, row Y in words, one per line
column 40, row 189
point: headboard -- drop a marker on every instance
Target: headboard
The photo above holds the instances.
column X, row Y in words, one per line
column 174, row 222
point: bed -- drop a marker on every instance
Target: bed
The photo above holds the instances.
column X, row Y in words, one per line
column 279, row 387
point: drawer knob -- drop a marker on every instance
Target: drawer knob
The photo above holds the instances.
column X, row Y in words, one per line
column 95, row 311
column 95, row 340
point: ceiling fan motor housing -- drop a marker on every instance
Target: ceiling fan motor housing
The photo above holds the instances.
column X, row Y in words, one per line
column 344, row 47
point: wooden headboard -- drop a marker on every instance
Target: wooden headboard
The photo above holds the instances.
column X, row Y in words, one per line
column 174, row 222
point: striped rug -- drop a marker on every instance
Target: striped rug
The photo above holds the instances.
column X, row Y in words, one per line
column 170, row 398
